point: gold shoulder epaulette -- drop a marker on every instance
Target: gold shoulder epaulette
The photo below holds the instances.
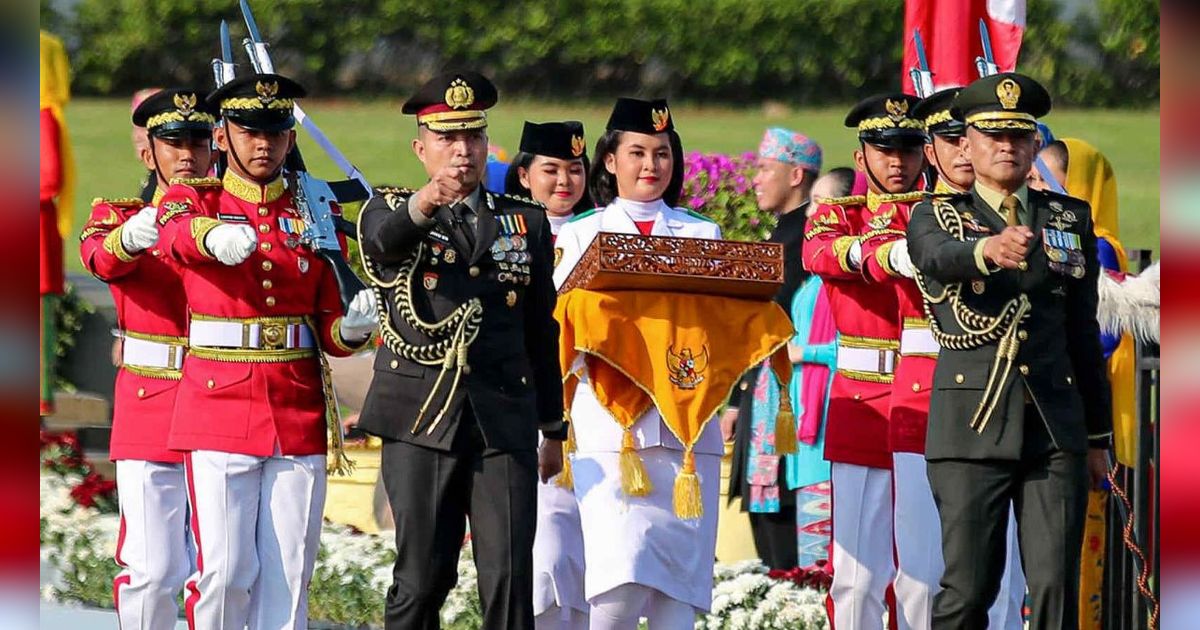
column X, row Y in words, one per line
column 197, row 182
column 842, row 201
column 120, row 202
column 915, row 195
column 393, row 190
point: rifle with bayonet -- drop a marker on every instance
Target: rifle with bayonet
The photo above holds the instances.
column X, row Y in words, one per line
column 222, row 73
column 986, row 65
column 315, row 198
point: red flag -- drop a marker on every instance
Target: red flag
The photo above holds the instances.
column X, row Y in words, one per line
column 950, row 29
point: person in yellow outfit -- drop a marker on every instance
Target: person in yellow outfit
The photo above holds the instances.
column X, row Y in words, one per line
column 1086, row 174
column 56, row 192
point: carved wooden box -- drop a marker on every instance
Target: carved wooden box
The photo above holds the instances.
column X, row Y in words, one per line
column 683, row 265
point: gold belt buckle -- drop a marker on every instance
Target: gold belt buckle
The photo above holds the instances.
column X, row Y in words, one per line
column 272, row 337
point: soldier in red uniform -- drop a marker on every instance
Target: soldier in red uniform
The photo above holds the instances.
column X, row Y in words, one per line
column 253, row 404
column 886, row 262
column 118, row 247
column 856, row 439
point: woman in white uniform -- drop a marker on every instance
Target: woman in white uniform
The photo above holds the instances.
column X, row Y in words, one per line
column 551, row 168
column 642, row 560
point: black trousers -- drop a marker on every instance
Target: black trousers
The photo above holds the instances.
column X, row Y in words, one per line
column 1048, row 491
column 775, row 537
column 432, row 495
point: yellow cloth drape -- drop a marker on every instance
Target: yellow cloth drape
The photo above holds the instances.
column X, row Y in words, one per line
column 55, row 93
column 681, row 353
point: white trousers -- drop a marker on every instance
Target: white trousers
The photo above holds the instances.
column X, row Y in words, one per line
column 622, row 607
column 257, row 524
column 556, row 618
column 862, row 545
column 919, row 553
column 153, row 548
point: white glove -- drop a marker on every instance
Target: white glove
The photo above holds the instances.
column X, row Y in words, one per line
column 140, row 231
column 855, row 255
column 362, row 317
column 231, row 244
column 900, row 260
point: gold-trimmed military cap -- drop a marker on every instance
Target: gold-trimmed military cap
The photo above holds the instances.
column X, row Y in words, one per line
column 175, row 113
column 1002, row 102
column 934, row 112
column 262, row 102
column 886, row 120
column 562, row 140
column 640, row 116
column 453, row 101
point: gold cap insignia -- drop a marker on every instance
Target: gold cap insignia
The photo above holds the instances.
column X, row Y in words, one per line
column 266, row 90
column 577, row 146
column 896, row 109
column 459, row 95
column 1009, row 93
column 185, row 104
column 660, row 118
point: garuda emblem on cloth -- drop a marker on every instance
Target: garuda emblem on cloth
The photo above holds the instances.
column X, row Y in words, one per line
column 687, row 369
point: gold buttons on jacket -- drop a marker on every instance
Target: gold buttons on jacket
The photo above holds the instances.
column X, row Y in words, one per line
column 524, row 381
column 1023, row 369
column 267, row 284
column 467, row 369
column 959, row 378
column 858, row 397
column 395, row 364
column 266, row 266
column 264, row 227
column 1023, row 266
column 916, row 387
column 1022, row 335
column 270, row 300
column 262, row 211
column 744, row 386
column 211, row 383
column 1070, row 380
column 473, row 271
column 141, row 392
column 266, row 247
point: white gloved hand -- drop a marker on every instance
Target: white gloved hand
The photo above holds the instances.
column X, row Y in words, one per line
column 900, row 260
column 362, row 317
column 855, row 255
column 140, row 231
column 231, row 244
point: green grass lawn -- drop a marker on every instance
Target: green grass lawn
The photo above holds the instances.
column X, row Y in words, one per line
column 376, row 137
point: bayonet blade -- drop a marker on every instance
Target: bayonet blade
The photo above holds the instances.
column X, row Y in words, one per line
column 983, row 36
column 251, row 25
column 922, row 62
column 226, row 44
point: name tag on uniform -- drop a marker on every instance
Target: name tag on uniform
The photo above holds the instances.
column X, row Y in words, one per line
column 232, row 218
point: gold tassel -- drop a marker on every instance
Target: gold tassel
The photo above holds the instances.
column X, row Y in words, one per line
column 634, row 480
column 687, row 501
column 566, row 479
column 340, row 464
column 785, row 425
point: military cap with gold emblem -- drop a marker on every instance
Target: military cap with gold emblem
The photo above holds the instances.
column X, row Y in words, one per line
column 886, row 120
column 639, row 116
column 1002, row 102
column 934, row 112
column 175, row 113
column 453, row 101
column 262, row 102
column 562, row 140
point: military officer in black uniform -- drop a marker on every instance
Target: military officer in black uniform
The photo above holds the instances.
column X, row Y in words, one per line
column 469, row 369
column 1020, row 409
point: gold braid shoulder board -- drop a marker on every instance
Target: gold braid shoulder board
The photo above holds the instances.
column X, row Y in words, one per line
column 979, row 330
column 450, row 337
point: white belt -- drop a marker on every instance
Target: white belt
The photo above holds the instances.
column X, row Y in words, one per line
column 144, row 353
column 873, row 360
column 918, row 341
column 249, row 335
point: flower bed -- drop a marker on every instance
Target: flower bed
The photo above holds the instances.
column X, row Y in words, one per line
column 354, row 570
column 719, row 187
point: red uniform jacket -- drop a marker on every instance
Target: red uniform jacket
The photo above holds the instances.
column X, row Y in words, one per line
column 148, row 295
column 242, row 403
column 864, row 314
column 909, row 412
column 50, row 183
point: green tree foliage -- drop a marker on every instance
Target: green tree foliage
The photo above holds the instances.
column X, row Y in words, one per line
column 802, row 52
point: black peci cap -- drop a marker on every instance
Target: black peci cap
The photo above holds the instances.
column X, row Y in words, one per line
column 934, row 112
column 175, row 113
column 1002, row 102
column 562, row 140
column 453, row 101
column 886, row 120
column 259, row 101
column 639, row 116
